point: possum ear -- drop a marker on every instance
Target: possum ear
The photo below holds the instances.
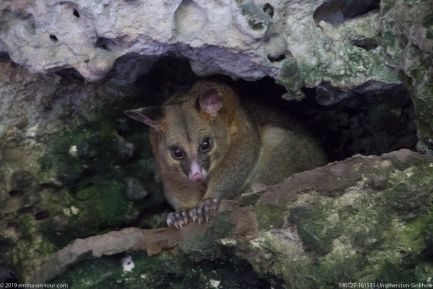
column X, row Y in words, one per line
column 149, row 115
column 211, row 101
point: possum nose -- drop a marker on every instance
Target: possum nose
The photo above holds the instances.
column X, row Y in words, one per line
column 197, row 177
column 196, row 174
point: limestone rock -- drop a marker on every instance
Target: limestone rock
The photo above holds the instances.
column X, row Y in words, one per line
column 333, row 223
column 47, row 147
column 314, row 230
column 242, row 39
column 407, row 40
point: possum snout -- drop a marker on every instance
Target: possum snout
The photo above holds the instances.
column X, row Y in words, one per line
column 197, row 173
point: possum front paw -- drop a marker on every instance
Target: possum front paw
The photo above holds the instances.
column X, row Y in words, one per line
column 178, row 219
column 200, row 214
column 204, row 210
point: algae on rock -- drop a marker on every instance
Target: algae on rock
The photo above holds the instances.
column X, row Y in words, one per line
column 408, row 48
column 164, row 271
column 376, row 228
column 64, row 163
column 357, row 228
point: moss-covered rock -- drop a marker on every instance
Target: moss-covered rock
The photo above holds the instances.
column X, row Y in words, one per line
column 366, row 231
column 412, row 54
column 164, row 271
column 65, row 165
column 91, row 199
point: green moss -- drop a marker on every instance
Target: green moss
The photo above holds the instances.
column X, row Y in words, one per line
column 290, row 76
column 428, row 24
column 251, row 199
column 255, row 17
column 163, row 272
column 424, row 107
column 28, row 225
column 416, row 235
column 223, row 226
column 90, row 197
column 104, row 204
column 402, row 51
column 46, row 248
column 203, row 244
column 90, row 146
column 397, row 256
column 142, row 166
column 367, row 234
column 340, row 266
column 100, row 205
column 255, row 25
column 420, row 70
column 424, row 272
column 365, row 225
column 386, row 5
column 270, row 216
column 314, row 228
column 366, row 237
column 88, row 160
column 391, row 273
column 27, row 253
column 411, row 191
column 392, row 44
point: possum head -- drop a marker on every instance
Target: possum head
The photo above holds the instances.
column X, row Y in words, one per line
column 190, row 133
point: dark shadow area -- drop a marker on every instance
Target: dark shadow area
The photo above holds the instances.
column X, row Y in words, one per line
column 111, row 154
column 70, row 74
column 4, row 56
column 7, row 274
column 180, row 272
column 105, row 43
column 336, row 12
column 364, row 43
column 167, row 76
column 371, row 119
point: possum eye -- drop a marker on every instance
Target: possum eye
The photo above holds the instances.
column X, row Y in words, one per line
column 206, row 145
column 177, row 153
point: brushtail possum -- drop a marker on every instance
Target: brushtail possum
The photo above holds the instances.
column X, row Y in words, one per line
column 209, row 146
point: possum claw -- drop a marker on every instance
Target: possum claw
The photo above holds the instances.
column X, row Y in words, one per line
column 193, row 214
column 170, row 220
column 204, row 211
column 185, row 217
column 177, row 219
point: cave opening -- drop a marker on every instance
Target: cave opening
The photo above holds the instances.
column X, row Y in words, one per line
column 336, row 12
column 370, row 119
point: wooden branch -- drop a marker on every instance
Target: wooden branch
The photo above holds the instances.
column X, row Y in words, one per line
column 153, row 241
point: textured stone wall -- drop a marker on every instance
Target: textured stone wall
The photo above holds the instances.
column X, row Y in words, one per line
column 247, row 39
